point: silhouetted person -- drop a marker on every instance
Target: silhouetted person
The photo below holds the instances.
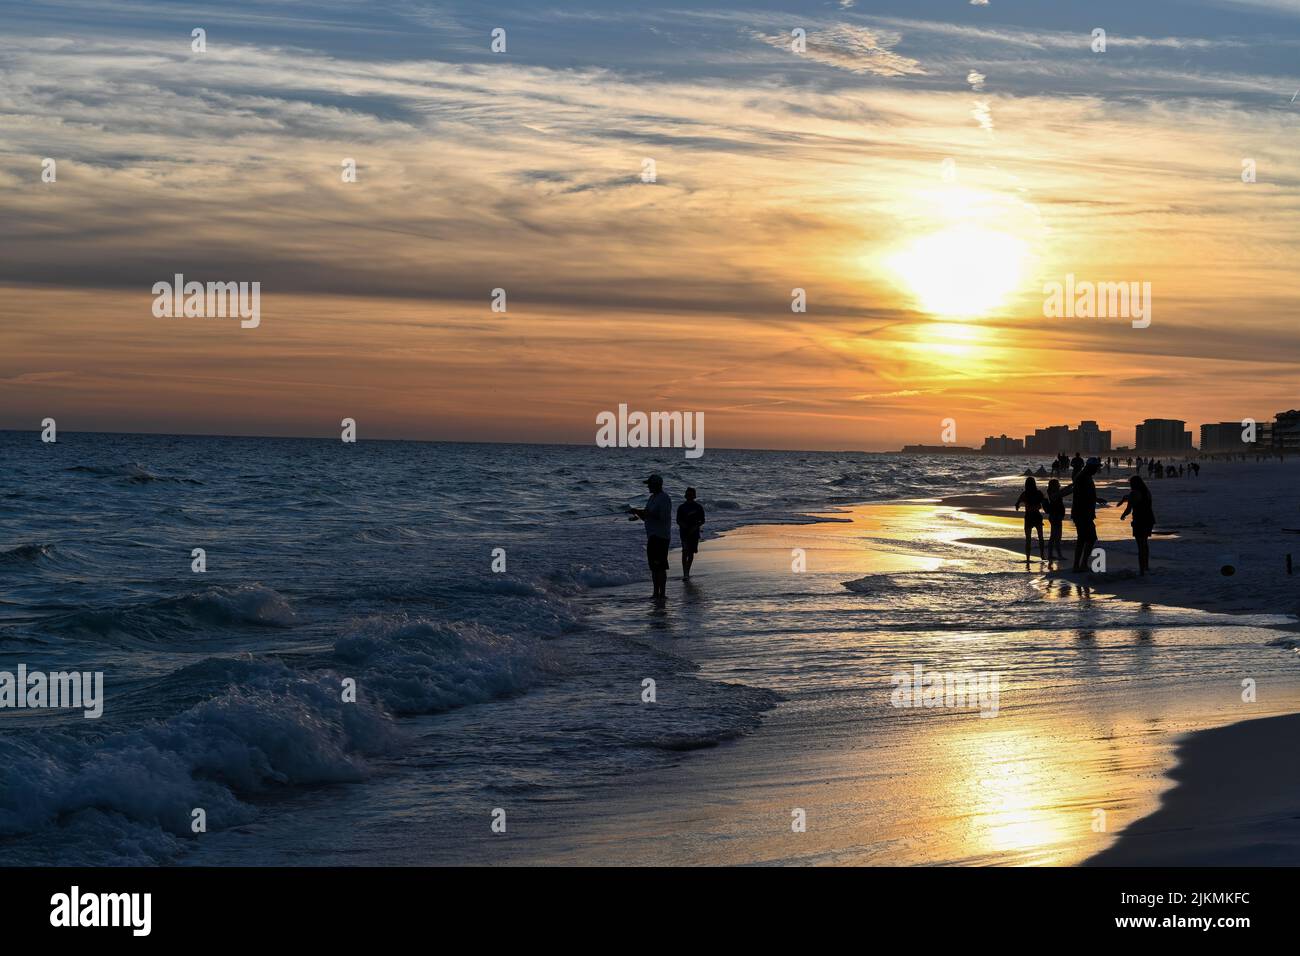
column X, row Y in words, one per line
column 1032, row 499
column 690, row 516
column 1144, row 519
column 1076, row 465
column 1083, row 512
column 658, row 517
column 1056, row 519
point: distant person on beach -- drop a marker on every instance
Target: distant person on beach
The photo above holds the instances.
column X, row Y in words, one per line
column 1056, row 519
column 1144, row 519
column 690, row 517
column 1033, row 500
column 1083, row 512
column 658, row 517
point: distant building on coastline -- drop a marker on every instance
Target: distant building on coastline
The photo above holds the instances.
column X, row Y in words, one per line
column 1092, row 440
column 1049, row 441
column 1002, row 445
column 1163, row 436
column 1087, row 439
column 1285, row 432
column 1221, row 437
column 1281, row 436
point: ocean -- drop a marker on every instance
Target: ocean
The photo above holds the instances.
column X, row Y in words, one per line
column 371, row 565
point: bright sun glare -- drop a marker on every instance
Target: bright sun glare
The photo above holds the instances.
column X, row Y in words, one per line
column 963, row 270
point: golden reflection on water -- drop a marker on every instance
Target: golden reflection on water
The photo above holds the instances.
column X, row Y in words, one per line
column 1026, row 786
column 1020, row 802
column 878, row 540
column 1017, row 788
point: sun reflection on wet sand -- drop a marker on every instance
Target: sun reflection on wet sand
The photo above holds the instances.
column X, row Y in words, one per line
column 842, row 542
column 1092, row 697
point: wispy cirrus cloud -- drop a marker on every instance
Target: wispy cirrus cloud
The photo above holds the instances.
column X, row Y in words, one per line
column 523, row 171
column 853, row 48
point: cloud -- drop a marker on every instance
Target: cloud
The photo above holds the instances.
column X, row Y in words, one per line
column 982, row 115
column 853, row 48
column 481, row 173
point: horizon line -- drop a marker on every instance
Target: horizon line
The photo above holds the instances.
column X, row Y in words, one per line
column 563, row 444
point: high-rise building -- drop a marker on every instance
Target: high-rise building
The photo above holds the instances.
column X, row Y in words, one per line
column 1163, row 436
column 1091, row 440
column 1087, row 439
column 1286, row 432
column 1049, row 441
column 1002, row 445
column 1216, row 439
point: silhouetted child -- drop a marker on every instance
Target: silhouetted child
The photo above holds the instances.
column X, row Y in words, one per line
column 1056, row 519
column 1032, row 499
column 690, row 517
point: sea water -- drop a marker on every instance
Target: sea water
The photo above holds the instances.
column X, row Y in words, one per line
column 370, row 565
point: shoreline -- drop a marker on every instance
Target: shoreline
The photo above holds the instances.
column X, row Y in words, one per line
column 1099, row 696
column 1023, row 788
column 1235, row 802
column 1201, row 820
column 1251, row 536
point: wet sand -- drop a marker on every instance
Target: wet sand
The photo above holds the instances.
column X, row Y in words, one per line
column 1237, row 795
column 1237, row 802
column 1096, row 694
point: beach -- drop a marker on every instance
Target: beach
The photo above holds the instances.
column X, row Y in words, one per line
column 1122, row 739
column 773, row 711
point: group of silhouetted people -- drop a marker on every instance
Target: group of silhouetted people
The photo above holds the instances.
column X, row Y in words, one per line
column 1158, row 469
column 1082, row 492
column 658, row 515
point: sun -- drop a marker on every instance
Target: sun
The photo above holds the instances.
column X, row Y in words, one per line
column 962, row 270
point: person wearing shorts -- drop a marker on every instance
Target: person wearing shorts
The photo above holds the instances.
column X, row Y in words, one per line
column 690, row 517
column 658, row 517
column 1033, row 500
column 1055, row 519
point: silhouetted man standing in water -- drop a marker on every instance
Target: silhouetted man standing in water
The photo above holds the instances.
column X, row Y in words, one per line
column 1083, row 512
column 658, row 517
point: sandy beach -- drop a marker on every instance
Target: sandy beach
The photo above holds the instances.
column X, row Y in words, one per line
column 1112, row 691
column 1235, row 796
column 1056, row 719
column 1185, row 771
column 1246, row 514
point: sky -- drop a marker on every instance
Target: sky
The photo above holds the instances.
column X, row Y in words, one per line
column 920, row 169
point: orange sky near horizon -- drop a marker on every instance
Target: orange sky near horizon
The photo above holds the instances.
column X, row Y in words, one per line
column 665, row 295
column 408, row 370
